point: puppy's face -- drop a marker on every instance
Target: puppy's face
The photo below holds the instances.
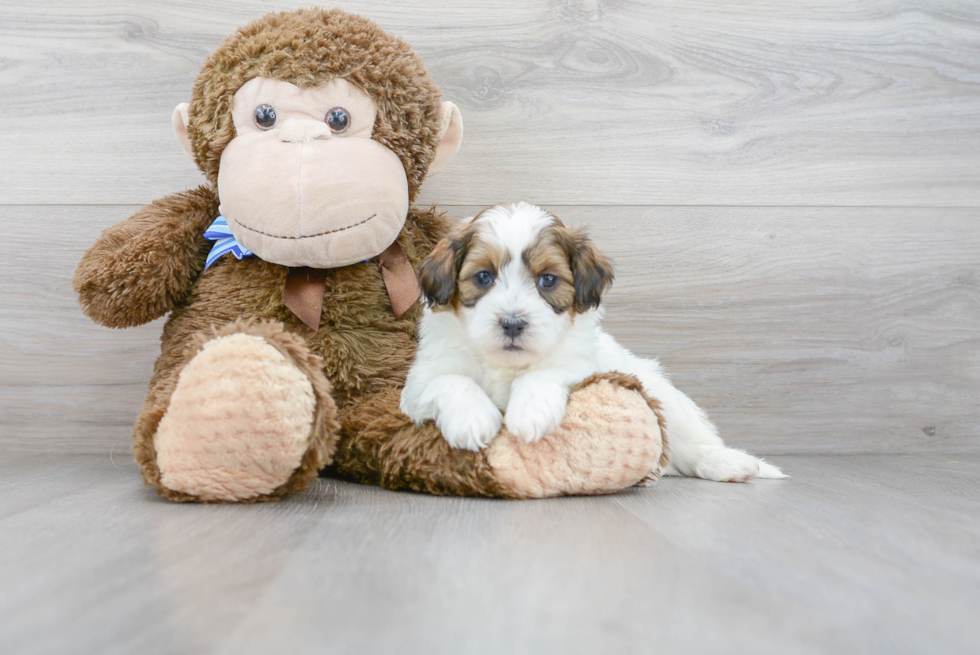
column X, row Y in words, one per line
column 516, row 277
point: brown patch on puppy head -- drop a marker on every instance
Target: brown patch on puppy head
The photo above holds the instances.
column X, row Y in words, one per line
column 439, row 272
column 582, row 271
column 448, row 275
column 308, row 48
column 482, row 258
column 548, row 256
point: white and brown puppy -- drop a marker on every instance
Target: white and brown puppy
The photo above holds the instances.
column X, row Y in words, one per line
column 513, row 324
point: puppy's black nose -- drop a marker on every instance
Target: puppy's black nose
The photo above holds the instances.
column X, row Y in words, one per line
column 513, row 327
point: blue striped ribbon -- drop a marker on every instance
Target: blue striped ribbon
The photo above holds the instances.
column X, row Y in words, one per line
column 225, row 242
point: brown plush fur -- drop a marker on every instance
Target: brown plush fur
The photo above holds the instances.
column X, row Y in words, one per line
column 153, row 263
column 380, row 445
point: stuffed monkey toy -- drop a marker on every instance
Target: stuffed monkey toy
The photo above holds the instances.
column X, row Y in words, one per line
column 290, row 286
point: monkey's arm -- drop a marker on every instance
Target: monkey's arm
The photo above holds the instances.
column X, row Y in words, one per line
column 139, row 269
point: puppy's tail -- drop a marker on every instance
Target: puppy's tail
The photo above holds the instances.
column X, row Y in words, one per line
column 767, row 470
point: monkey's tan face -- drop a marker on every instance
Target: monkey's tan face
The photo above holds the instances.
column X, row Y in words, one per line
column 302, row 183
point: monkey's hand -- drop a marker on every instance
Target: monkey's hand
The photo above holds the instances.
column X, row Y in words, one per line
column 139, row 269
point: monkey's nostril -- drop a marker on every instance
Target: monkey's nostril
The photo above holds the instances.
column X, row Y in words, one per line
column 513, row 326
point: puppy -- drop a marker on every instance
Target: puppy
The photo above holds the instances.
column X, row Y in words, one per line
column 513, row 323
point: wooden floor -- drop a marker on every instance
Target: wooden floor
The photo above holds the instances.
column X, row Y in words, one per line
column 853, row 554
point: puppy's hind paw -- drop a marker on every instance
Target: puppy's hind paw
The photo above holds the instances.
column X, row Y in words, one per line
column 727, row 465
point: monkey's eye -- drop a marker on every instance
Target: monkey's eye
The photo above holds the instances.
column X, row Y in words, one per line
column 338, row 120
column 483, row 279
column 547, row 281
column 265, row 117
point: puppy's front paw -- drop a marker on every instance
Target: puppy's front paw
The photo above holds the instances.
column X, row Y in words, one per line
column 471, row 425
column 531, row 416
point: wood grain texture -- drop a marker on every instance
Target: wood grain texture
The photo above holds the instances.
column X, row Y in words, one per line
column 861, row 554
column 799, row 330
column 757, row 102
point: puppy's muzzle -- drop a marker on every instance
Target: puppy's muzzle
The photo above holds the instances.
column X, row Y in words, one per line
column 513, row 327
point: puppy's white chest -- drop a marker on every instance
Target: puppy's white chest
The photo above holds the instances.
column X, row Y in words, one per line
column 497, row 383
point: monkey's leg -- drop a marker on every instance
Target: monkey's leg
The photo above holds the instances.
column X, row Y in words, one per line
column 612, row 437
column 247, row 416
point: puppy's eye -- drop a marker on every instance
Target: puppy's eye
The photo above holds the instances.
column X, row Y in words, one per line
column 338, row 120
column 483, row 279
column 547, row 281
column 265, row 117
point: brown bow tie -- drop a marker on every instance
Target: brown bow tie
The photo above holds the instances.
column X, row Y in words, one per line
column 304, row 288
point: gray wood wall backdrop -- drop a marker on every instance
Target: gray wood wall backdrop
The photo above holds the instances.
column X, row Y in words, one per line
column 791, row 191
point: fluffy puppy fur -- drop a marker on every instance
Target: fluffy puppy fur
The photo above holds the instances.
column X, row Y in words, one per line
column 513, row 323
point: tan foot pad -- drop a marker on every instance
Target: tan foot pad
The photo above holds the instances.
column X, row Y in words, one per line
column 610, row 439
column 238, row 423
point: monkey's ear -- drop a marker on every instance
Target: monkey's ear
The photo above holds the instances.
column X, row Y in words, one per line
column 180, row 120
column 449, row 139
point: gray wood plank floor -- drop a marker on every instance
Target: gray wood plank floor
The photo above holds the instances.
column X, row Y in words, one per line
column 857, row 554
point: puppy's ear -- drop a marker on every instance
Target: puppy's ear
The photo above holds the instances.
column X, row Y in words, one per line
column 591, row 270
column 439, row 271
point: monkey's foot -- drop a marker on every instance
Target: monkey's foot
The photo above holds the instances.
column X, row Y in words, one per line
column 612, row 437
column 249, row 419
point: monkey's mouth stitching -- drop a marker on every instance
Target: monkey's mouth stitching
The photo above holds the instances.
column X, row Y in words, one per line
column 307, row 236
